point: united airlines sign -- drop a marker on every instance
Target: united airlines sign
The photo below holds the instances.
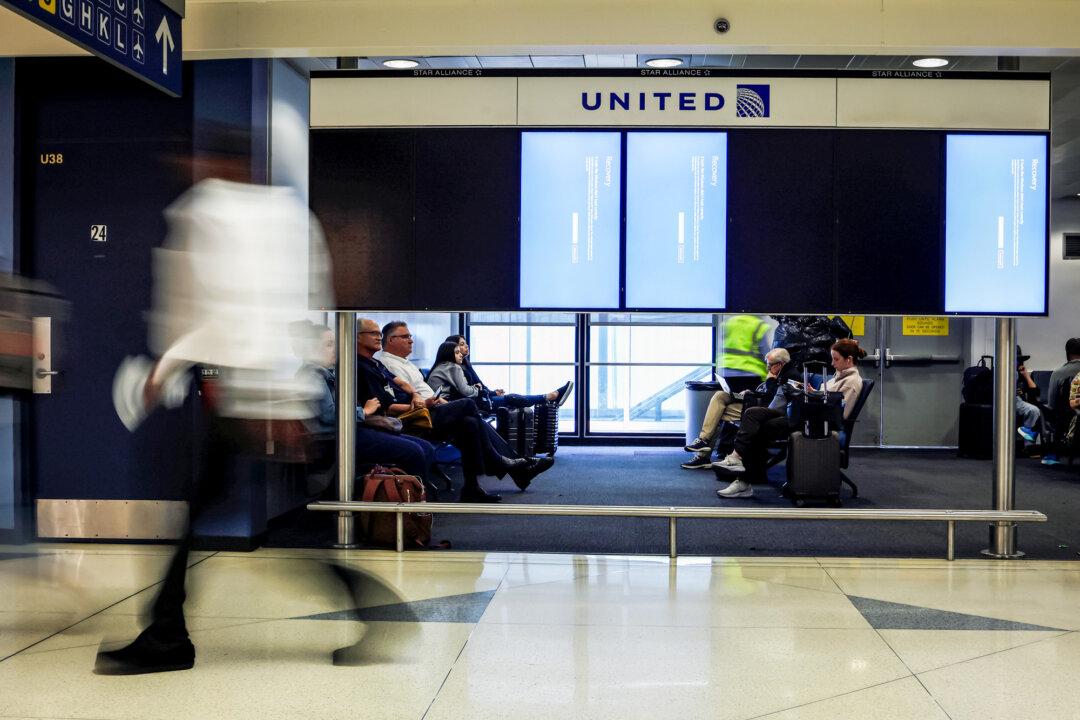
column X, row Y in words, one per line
column 751, row 101
column 677, row 101
column 501, row 99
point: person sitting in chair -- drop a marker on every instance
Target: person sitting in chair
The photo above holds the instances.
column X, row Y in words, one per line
column 400, row 386
column 500, row 398
column 761, row 425
column 373, row 446
column 728, row 407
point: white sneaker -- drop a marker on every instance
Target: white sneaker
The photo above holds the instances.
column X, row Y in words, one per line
column 737, row 489
column 732, row 463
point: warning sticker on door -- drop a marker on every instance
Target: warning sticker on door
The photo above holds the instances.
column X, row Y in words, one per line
column 936, row 326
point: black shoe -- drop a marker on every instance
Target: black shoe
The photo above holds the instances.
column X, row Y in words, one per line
column 563, row 393
column 512, row 464
column 524, row 476
column 478, row 495
column 146, row 655
column 697, row 446
column 700, row 462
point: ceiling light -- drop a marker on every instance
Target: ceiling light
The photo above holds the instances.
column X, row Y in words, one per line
column 664, row 62
column 930, row 62
column 400, row 64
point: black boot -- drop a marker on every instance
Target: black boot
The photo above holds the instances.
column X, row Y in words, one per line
column 522, row 477
column 147, row 654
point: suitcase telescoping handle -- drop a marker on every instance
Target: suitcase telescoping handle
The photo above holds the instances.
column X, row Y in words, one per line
column 806, row 377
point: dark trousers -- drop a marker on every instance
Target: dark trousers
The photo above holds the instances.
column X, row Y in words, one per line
column 459, row 422
column 760, row 426
column 223, row 446
column 412, row 454
column 515, row 401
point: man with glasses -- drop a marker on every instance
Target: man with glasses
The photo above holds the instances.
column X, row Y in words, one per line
column 725, row 406
column 384, row 372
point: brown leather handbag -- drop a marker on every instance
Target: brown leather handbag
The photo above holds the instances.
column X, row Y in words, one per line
column 391, row 484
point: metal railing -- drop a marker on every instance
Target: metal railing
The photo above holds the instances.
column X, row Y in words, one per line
column 951, row 517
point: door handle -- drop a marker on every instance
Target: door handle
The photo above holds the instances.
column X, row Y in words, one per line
column 875, row 357
column 42, row 373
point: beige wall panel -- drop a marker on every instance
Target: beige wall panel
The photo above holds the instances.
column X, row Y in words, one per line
column 20, row 37
column 953, row 104
column 390, row 102
column 801, row 102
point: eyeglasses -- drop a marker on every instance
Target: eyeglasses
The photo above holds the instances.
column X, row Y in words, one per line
column 403, row 337
column 370, row 332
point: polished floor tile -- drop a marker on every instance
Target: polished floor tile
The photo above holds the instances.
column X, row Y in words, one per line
column 469, row 635
column 536, row 671
column 20, row 630
column 1047, row 597
column 902, row 699
column 274, row 669
column 1033, row 682
column 923, row 650
column 703, row 596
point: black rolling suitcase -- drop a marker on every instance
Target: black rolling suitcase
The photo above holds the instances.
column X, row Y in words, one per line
column 813, row 469
column 547, row 428
column 976, row 431
column 813, row 462
column 518, row 428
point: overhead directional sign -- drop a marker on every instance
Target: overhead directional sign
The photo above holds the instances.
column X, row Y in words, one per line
column 140, row 36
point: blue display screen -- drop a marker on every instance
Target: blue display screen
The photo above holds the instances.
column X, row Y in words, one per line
column 570, row 218
column 676, row 222
column 995, row 224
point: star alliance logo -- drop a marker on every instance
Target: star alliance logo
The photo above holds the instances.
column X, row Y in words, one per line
column 752, row 101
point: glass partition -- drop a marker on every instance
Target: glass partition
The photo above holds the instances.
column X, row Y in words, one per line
column 638, row 366
column 526, row 353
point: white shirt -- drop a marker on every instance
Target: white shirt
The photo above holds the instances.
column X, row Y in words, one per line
column 233, row 274
column 407, row 371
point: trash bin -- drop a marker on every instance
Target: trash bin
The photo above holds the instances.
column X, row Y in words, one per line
column 698, row 395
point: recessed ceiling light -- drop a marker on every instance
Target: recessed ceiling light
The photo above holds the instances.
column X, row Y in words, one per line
column 400, row 64
column 930, row 62
column 664, row 62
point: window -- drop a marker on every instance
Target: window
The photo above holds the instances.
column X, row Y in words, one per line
column 526, row 353
column 429, row 330
column 638, row 366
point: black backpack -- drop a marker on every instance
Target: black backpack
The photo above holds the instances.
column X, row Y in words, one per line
column 978, row 387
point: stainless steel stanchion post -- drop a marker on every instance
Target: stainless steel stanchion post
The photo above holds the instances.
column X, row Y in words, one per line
column 1003, row 534
column 950, row 541
column 346, row 402
column 399, row 531
column 672, row 544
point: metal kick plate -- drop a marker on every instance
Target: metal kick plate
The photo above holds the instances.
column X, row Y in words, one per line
column 112, row 519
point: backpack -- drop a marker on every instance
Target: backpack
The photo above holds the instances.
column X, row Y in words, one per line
column 391, row 484
column 978, row 383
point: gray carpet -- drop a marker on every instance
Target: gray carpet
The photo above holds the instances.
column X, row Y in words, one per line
column 652, row 476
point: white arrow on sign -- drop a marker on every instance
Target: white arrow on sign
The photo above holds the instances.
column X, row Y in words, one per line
column 166, row 45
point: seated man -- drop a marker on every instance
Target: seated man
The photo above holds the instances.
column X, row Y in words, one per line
column 1059, row 390
column 500, row 398
column 412, row 454
column 1028, row 414
column 724, row 406
column 760, row 425
column 401, row 388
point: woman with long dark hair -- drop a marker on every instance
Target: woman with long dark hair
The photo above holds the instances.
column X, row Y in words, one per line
column 759, row 425
column 499, row 397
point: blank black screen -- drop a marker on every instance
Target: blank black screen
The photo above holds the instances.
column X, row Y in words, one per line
column 781, row 231
column 361, row 192
column 889, row 224
column 467, row 191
